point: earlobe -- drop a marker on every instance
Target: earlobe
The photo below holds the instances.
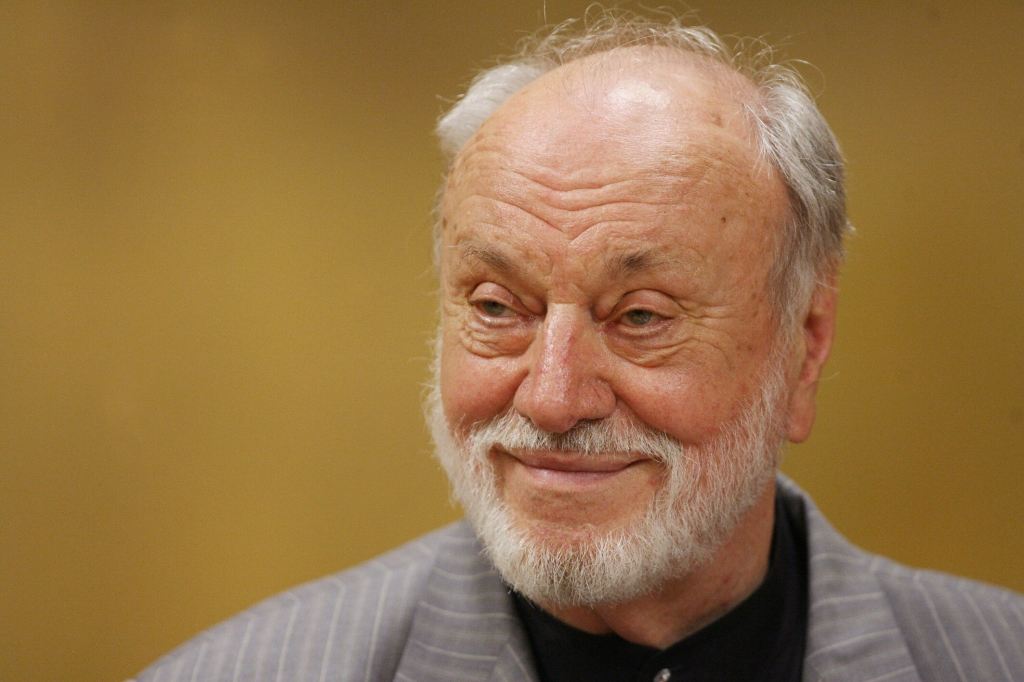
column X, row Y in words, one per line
column 812, row 352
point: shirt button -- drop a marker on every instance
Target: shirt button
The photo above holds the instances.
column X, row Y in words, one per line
column 663, row 675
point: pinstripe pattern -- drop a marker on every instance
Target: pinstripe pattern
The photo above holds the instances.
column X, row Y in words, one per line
column 434, row 610
column 351, row 626
column 872, row 619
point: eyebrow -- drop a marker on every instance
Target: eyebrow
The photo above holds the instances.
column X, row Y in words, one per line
column 490, row 256
column 635, row 262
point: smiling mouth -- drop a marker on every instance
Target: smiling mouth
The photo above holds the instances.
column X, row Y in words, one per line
column 570, row 467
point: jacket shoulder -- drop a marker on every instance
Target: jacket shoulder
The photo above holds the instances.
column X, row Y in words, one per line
column 872, row 618
column 955, row 628
column 351, row 625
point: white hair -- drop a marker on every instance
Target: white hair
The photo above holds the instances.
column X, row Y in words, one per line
column 707, row 490
column 791, row 133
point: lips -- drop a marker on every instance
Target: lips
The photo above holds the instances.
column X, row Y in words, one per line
column 571, row 464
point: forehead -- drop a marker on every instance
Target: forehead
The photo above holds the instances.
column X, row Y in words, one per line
column 634, row 142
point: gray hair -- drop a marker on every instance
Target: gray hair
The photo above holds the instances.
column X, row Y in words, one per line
column 791, row 133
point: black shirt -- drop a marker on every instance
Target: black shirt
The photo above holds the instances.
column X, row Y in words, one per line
column 760, row 640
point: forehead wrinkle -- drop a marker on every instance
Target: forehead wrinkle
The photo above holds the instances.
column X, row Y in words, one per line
column 567, row 199
column 571, row 222
column 575, row 211
column 573, row 191
column 547, row 222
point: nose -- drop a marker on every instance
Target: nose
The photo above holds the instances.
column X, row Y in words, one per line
column 564, row 383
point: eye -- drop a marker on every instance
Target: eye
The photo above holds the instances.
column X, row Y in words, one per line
column 495, row 309
column 638, row 318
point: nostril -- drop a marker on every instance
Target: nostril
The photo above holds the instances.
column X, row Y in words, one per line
column 556, row 425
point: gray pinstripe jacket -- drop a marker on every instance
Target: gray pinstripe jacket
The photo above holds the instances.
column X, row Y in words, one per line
column 435, row 610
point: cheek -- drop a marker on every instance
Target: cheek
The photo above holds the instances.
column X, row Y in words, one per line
column 685, row 404
column 694, row 398
column 474, row 388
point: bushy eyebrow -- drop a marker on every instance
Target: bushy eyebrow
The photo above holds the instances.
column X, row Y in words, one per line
column 620, row 266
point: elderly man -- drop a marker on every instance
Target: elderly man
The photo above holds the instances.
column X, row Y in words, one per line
column 638, row 247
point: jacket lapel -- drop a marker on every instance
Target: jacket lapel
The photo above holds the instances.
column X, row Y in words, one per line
column 465, row 626
column 852, row 634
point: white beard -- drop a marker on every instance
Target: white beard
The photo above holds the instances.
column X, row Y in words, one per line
column 707, row 490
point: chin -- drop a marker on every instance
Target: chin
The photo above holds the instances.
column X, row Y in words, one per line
column 553, row 551
column 578, row 564
column 556, row 533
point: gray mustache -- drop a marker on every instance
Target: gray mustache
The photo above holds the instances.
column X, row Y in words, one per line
column 590, row 437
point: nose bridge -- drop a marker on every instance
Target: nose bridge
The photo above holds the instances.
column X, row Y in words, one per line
column 564, row 383
column 558, row 364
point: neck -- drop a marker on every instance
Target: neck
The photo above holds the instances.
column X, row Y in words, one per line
column 689, row 602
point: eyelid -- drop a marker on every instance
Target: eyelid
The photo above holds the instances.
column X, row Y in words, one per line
column 655, row 302
column 650, row 327
column 496, row 293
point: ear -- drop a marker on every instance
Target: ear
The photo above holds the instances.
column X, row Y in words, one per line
column 812, row 350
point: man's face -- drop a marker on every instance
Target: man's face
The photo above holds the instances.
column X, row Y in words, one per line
column 606, row 243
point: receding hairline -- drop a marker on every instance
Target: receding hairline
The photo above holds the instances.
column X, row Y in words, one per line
column 657, row 55
column 716, row 95
column 792, row 136
column 712, row 77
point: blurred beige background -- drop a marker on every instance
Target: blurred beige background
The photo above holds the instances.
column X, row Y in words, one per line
column 215, row 297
